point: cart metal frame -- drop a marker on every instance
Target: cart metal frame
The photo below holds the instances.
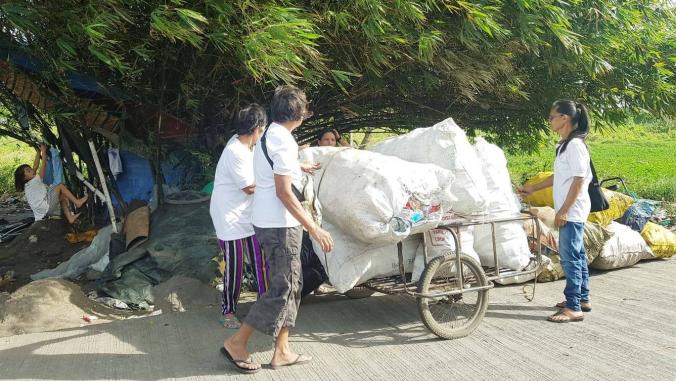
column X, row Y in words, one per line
column 401, row 284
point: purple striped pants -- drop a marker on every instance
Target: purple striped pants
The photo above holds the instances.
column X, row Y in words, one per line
column 233, row 254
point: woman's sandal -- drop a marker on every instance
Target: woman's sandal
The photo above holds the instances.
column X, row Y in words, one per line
column 239, row 368
column 561, row 317
column 563, row 305
column 230, row 323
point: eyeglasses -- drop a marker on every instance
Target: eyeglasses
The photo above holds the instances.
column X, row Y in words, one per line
column 552, row 117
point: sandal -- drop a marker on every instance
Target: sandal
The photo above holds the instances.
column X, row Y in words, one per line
column 239, row 368
column 582, row 306
column 230, row 323
column 561, row 317
column 297, row 361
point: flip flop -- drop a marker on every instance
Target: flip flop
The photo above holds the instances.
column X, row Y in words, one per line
column 567, row 318
column 297, row 361
column 563, row 305
column 234, row 362
column 223, row 320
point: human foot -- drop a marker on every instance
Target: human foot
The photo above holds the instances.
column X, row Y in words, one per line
column 566, row 315
column 230, row 321
column 240, row 358
column 586, row 307
column 72, row 217
column 279, row 360
column 80, row 201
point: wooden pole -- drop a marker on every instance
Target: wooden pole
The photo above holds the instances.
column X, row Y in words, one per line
column 104, row 185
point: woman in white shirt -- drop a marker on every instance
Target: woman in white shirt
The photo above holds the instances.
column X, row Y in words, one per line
column 230, row 210
column 572, row 175
column 278, row 219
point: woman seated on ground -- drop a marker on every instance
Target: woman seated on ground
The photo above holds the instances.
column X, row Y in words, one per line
column 45, row 201
column 331, row 138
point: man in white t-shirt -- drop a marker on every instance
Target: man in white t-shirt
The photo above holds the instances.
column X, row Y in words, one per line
column 278, row 220
column 230, row 210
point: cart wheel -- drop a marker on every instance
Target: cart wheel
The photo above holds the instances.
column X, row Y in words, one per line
column 359, row 292
column 452, row 316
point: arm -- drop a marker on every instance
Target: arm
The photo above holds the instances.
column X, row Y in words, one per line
column 573, row 193
column 530, row 189
column 39, row 163
column 291, row 203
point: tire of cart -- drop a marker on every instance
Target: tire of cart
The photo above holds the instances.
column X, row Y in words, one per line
column 458, row 315
column 359, row 292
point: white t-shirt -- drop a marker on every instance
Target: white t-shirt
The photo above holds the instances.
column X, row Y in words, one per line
column 36, row 196
column 268, row 210
column 230, row 207
column 573, row 162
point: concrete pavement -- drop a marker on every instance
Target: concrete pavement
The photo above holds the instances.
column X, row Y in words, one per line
column 630, row 335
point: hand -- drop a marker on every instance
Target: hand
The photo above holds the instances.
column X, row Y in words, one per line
column 340, row 139
column 323, row 237
column 310, row 167
column 526, row 190
column 561, row 218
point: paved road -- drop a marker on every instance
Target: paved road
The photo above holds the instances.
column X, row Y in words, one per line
column 630, row 335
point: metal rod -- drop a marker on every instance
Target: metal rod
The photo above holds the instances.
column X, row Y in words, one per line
column 452, row 292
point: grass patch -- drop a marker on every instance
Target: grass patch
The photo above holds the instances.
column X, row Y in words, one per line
column 12, row 154
column 641, row 153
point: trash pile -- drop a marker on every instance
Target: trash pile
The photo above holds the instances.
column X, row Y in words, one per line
column 627, row 232
column 411, row 183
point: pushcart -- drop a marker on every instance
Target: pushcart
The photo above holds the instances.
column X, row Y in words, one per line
column 452, row 292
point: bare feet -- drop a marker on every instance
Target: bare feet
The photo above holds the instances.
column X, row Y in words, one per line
column 280, row 359
column 80, row 201
column 566, row 315
column 240, row 356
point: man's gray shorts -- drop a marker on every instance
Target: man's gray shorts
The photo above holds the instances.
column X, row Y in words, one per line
column 278, row 307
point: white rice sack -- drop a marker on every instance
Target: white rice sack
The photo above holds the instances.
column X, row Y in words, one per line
column 624, row 248
column 446, row 145
column 353, row 262
column 375, row 198
column 510, row 238
column 440, row 242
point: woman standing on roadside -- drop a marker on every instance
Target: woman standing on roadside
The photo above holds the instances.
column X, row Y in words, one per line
column 572, row 175
column 230, row 210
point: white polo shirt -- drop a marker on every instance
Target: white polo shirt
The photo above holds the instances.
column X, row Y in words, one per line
column 268, row 210
column 573, row 162
column 230, row 207
column 36, row 196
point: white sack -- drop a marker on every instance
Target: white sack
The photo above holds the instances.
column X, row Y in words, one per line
column 375, row 198
column 510, row 238
column 440, row 242
column 446, row 145
column 353, row 262
column 625, row 248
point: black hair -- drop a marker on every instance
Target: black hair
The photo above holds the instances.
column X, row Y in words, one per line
column 20, row 177
column 250, row 118
column 580, row 118
column 289, row 104
column 325, row 131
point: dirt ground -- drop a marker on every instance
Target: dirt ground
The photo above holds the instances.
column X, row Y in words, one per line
column 25, row 256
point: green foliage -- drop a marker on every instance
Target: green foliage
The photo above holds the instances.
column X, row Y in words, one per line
column 493, row 65
column 12, row 154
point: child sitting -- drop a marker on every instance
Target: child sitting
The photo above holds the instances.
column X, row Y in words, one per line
column 43, row 200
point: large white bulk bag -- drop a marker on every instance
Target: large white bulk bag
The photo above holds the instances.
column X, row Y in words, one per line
column 446, row 145
column 510, row 238
column 353, row 262
column 625, row 248
column 375, row 198
column 440, row 242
